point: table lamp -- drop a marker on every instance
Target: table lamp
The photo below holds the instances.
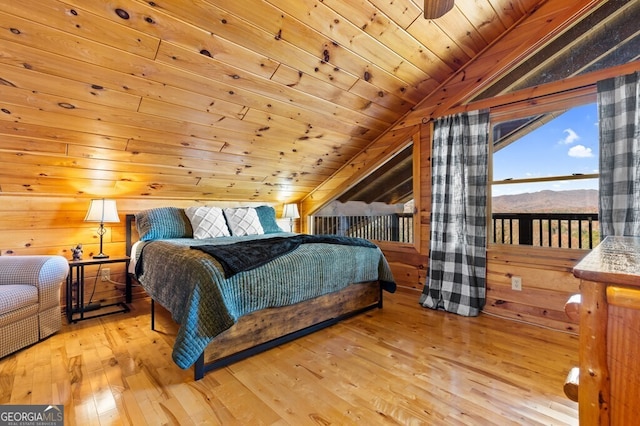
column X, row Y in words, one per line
column 103, row 211
column 290, row 212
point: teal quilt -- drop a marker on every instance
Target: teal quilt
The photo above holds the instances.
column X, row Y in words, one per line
column 192, row 285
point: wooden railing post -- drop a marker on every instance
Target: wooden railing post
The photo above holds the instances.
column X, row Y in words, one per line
column 395, row 227
column 525, row 230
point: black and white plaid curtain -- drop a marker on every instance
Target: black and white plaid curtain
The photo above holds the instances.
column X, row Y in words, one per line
column 619, row 122
column 457, row 257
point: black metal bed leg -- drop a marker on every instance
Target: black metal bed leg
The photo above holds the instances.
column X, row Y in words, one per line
column 198, row 367
column 153, row 314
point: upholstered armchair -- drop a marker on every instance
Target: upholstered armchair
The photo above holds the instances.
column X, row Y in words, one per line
column 29, row 299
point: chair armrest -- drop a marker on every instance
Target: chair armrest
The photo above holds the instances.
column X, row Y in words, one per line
column 44, row 272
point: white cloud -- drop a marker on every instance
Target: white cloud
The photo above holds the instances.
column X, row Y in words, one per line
column 580, row 151
column 570, row 137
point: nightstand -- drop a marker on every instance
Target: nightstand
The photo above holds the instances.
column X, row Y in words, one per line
column 76, row 309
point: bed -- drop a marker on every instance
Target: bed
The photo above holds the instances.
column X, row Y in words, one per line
column 235, row 290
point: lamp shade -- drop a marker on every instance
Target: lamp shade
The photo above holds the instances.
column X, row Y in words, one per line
column 290, row 211
column 434, row 9
column 103, row 211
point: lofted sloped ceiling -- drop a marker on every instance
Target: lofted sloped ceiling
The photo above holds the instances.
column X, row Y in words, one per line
column 264, row 100
column 608, row 36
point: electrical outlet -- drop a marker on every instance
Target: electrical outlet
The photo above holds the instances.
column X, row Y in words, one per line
column 106, row 274
column 516, row 283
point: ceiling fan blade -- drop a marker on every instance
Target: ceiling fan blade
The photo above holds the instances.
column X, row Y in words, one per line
column 434, row 9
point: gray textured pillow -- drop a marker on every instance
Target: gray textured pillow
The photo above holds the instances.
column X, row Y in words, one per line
column 163, row 222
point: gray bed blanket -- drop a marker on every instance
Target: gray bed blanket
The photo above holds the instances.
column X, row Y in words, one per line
column 204, row 302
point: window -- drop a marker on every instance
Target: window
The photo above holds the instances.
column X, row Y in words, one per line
column 380, row 207
column 544, row 183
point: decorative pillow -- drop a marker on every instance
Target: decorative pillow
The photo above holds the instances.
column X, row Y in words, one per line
column 163, row 222
column 243, row 221
column 207, row 222
column 267, row 217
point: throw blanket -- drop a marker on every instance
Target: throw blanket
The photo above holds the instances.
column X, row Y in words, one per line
column 247, row 255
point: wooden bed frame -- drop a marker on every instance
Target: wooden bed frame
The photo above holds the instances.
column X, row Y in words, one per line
column 267, row 328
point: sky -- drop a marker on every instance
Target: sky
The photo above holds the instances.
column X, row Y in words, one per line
column 564, row 146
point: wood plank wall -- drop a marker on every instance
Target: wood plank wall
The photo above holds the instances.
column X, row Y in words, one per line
column 547, row 284
column 53, row 225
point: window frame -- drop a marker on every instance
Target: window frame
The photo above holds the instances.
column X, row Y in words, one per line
column 414, row 247
column 518, row 110
column 415, row 141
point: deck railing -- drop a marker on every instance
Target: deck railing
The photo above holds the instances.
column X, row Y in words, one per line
column 389, row 227
column 569, row 230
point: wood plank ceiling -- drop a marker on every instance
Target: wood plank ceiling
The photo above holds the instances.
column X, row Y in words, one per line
column 214, row 99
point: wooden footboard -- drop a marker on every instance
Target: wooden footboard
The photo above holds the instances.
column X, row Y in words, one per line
column 268, row 328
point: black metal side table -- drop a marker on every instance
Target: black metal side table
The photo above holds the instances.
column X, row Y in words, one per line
column 76, row 309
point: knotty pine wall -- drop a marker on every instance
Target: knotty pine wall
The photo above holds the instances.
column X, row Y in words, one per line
column 547, row 284
column 53, row 225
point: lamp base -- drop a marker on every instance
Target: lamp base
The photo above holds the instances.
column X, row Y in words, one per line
column 101, row 256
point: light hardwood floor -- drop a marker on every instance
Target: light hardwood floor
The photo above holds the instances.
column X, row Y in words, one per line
column 403, row 364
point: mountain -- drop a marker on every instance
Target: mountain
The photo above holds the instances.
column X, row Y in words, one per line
column 574, row 201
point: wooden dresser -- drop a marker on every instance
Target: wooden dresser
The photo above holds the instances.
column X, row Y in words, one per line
column 609, row 382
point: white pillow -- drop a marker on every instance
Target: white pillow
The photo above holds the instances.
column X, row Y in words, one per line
column 207, row 222
column 243, row 221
